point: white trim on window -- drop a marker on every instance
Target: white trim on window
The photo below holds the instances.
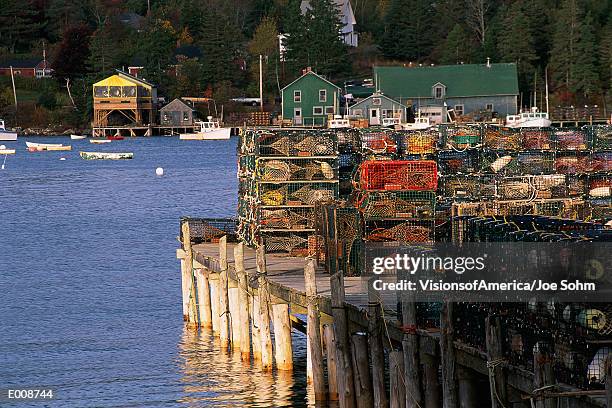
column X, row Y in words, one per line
column 317, row 110
column 297, row 96
column 357, row 112
column 376, row 101
column 459, row 109
column 329, row 110
column 490, row 107
column 322, row 95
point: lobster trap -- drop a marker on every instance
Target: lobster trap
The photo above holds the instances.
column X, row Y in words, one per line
column 293, row 243
column 403, row 231
column 294, row 218
column 577, row 162
column 600, row 186
column 601, row 161
column 398, row 205
column 303, row 169
column 572, row 139
column 210, row 229
column 460, row 136
column 296, row 143
column 398, row 175
column 378, row 141
column 600, row 209
column 460, row 187
column 297, row 194
column 537, row 139
column 562, row 208
column 418, row 142
column 532, row 162
column 502, row 138
column 601, row 136
column 458, row 162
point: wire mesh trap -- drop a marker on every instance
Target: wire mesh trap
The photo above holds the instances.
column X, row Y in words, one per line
column 398, row 175
column 461, row 136
column 537, row 139
column 297, row 169
column 296, row 143
column 418, row 141
column 399, row 204
column 287, row 218
column 571, row 139
column 378, row 142
column 453, row 162
column 501, row 138
column 400, row 231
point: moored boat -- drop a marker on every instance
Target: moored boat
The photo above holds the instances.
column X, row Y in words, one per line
column 420, row 123
column 4, row 150
column 115, row 137
column 47, row 147
column 210, row 130
column 78, row 137
column 6, row 135
column 99, row 141
column 338, row 122
column 43, row 145
column 106, row 155
column 533, row 119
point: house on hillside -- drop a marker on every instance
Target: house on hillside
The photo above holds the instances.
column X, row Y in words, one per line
column 177, row 113
column 123, row 100
column 377, row 107
column 310, row 99
column 347, row 18
column 465, row 88
column 27, row 68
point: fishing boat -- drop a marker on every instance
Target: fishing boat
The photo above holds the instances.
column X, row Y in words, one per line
column 115, row 137
column 534, row 119
column 106, row 156
column 6, row 135
column 338, row 122
column 420, row 123
column 99, row 141
column 78, row 137
column 209, row 130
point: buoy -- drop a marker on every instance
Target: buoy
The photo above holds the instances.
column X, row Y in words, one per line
column 2, row 147
column 159, row 171
column 62, row 158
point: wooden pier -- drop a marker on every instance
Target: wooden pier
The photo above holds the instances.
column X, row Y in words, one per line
column 371, row 359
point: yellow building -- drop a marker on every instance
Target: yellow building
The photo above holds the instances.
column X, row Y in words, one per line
column 122, row 100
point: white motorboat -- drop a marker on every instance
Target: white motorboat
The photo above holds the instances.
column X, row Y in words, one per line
column 209, row 130
column 391, row 122
column 338, row 122
column 77, row 137
column 43, row 146
column 420, row 123
column 99, row 141
column 533, row 119
column 106, row 155
column 6, row 135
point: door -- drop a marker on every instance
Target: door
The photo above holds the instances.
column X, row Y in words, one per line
column 374, row 116
column 297, row 116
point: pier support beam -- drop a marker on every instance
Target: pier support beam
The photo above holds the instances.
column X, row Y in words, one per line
column 192, row 313
column 213, row 282
column 264, row 310
column 224, row 329
column 410, row 346
column 332, row 362
column 255, row 332
column 243, row 302
column 361, row 367
column 313, row 332
column 282, row 337
column 376, row 347
column 543, row 374
column 204, row 305
column 397, row 390
column 467, row 388
column 431, row 381
column 447, row 350
column 185, row 289
column 234, row 316
column 495, row 362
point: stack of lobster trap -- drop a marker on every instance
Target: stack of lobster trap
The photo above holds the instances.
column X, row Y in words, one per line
column 282, row 175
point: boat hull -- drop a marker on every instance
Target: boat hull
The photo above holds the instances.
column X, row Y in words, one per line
column 99, row 141
column 106, row 156
column 77, row 137
column 7, row 151
column 216, row 134
column 42, row 145
column 8, row 136
column 533, row 123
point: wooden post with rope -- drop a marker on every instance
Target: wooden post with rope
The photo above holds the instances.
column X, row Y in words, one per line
column 397, row 390
column 410, row 347
column 243, row 302
column 224, row 329
column 497, row 372
column 543, row 374
column 361, row 367
column 332, row 362
column 282, row 337
column 375, row 326
column 264, row 310
column 313, row 332
column 204, row 306
column 447, row 350
column 188, row 278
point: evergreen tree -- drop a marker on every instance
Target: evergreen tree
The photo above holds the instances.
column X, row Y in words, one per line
column 104, row 51
column 585, row 70
column 564, row 47
column 156, row 45
column 457, row 47
column 18, row 24
column 605, row 54
column 516, row 44
column 295, row 41
column 408, row 34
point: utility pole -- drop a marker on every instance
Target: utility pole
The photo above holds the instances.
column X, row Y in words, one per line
column 14, row 91
column 261, row 83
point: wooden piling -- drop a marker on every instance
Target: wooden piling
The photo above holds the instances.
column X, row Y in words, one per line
column 467, row 388
column 608, row 371
column 410, row 347
column 397, row 391
column 361, row 367
column 495, row 362
column 243, row 302
column 345, row 369
column 431, row 382
column 213, row 283
column 192, row 313
column 447, row 350
column 224, row 329
column 332, row 362
column 282, row 337
column 264, row 310
column 376, row 347
column 255, row 334
column 234, row 315
column 204, row 306
column 543, row 374
column 185, row 290
column 313, row 332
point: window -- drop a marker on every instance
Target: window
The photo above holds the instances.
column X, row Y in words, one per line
column 297, row 112
column 297, row 96
column 329, row 110
column 358, row 112
column 322, row 95
column 489, row 107
column 376, row 101
column 317, row 110
column 438, row 92
column 459, row 110
column 185, row 116
column 166, row 116
column 388, row 113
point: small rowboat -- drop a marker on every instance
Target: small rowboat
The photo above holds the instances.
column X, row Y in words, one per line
column 42, row 145
column 77, row 137
column 115, row 137
column 106, row 156
column 7, row 151
column 99, row 141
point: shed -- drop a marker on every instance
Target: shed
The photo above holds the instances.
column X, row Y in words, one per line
column 377, row 107
column 176, row 113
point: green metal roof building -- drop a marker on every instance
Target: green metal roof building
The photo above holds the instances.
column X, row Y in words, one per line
column 465, row 88
column 309, row 100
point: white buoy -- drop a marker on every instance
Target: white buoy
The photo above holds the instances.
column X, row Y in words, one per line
column 62, row 158
column 159, row 171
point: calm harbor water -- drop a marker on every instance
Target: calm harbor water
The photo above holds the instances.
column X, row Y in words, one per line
column 90, row 288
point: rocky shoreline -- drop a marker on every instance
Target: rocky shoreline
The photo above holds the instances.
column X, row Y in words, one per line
column 52, row 131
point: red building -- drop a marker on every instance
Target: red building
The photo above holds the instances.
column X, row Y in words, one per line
column 26, row 68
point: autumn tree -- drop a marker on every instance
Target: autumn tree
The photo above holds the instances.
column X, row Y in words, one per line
column 265, row 43
column 72, row 53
